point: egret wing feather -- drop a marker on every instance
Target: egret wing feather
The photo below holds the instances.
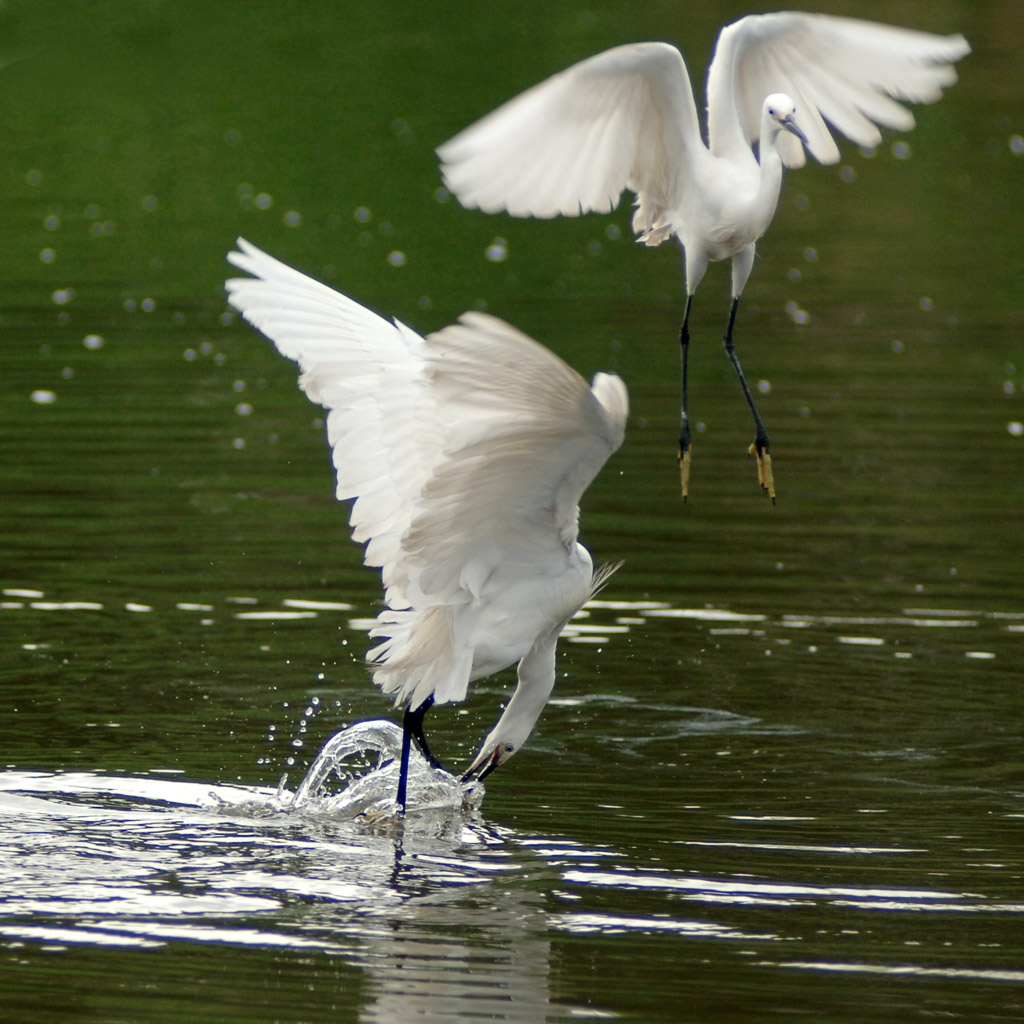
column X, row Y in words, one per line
column 368, row 373
column 843, row 71
column 524, row 437
column 464, row 450
column 622, row 119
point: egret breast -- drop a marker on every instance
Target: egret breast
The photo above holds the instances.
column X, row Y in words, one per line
column 517, row 609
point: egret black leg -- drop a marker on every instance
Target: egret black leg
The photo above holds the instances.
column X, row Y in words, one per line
column 415, row 726
column 403, row 767
column 760, row 447
column 412, row 729
column 684, row 415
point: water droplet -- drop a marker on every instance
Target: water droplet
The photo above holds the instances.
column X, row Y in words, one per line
column 51, row 222
column 62, row 296
column 497, row 251
column 1015, row 428
column 1017, row 145
column 263, row 201
column 901, row 150
column 43, row 397
column 243, row 409
column 47, row 255
column 93, row 341
column 926, row 304
column 396, row 258
column 796, row 314
column 897, row 345
column 292, row 219
column 402, row 130
column 847, row 173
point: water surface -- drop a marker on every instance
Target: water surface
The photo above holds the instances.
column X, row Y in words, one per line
column 781, row 773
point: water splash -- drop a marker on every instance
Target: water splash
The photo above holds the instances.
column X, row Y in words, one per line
column 355, row 775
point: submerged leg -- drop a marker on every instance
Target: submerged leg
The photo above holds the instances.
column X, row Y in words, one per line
column 412, row 729
column 760, row 446
column 684, row 415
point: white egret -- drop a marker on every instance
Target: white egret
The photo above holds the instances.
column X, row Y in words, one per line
column 466, row 454
column 626, row 119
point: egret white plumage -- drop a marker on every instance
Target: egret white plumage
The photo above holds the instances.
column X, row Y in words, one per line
column 466, row 453
column 626, row 119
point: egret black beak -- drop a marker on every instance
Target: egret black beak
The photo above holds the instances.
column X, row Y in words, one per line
column 791, row 126
column 481, row 769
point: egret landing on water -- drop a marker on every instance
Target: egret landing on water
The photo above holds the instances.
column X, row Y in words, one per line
column 626, row 119
column 467, row 453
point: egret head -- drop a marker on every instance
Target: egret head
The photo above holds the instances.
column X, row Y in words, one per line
column 780, row 112
column 491, row 756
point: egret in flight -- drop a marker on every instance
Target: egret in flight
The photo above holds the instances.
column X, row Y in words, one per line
column 466, row 453
column 626, row 119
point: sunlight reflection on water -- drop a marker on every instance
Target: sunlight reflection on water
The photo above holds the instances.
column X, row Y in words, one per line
column 142, row 862
column 601, row 621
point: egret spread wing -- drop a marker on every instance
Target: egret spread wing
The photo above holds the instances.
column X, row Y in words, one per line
column 367, row 372
column 622, row 119
column 847, row 72
column 524, row 436
column 462, row 449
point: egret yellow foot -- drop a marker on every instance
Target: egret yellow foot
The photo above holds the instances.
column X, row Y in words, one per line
column 764, row 469
column 684, row 471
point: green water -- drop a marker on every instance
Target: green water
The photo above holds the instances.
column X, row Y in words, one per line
column 782, row 773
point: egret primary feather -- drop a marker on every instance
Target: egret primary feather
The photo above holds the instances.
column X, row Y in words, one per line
column 465, row 455
column 626, row 119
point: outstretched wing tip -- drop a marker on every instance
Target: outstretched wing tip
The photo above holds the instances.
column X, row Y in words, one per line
column 851, row 73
